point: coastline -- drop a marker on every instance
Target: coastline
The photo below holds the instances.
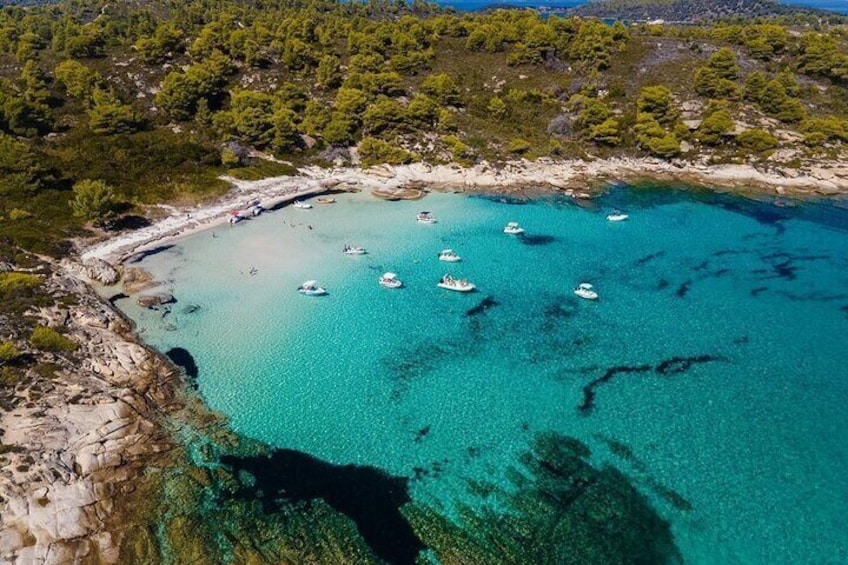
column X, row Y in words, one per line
column 99, row 428
column 576, row 178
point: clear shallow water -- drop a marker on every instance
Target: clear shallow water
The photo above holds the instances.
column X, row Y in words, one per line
column 737, row 313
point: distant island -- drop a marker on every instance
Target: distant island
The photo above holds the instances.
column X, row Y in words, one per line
column 690, row 11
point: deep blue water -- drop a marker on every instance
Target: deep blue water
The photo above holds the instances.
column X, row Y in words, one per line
column 840, row 6
column 717, row 353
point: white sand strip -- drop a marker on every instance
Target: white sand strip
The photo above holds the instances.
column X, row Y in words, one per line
column 574, row 177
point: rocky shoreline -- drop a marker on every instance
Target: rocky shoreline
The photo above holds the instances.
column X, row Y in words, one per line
column 76, row 447
column 80, row 442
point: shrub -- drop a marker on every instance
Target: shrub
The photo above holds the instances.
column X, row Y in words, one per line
column 607, row 132
column 756, row 140
column 518, row 146
column 497, row 108
column 18, row 214
column 48, row 339
column 8, row 351
column 94, row 200
column 443, row 88
column 376, row 151
column 460, row 152
column 229, row 158
column 13, row 282
column 10, row 377
column 716, row 127
column 665, row 147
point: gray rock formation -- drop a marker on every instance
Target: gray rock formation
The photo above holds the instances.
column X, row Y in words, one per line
column 101, row 271
column 74, row 444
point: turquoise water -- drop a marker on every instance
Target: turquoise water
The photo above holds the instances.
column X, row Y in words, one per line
column 735, row 312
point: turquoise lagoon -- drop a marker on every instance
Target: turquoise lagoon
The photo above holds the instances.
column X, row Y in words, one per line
column 717, row 353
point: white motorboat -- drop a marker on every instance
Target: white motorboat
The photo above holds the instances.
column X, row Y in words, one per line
column 311, row 288
column 302, row 205
column 390, row 280
column 425, row 218
column 587, row 291
column 512, row 228
column 449, row 256
column 459, row 285
column 256, row 210
column 235, row 217
column 353, row 250
column 617, row 216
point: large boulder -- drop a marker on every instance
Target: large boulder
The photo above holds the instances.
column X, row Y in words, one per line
column 101, row 271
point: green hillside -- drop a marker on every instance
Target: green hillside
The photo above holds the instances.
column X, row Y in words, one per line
column 140, row 103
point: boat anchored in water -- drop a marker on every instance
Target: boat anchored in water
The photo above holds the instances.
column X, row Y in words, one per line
column 390, row 280
column 587, row 291
column 300, row 204
column 617, row 216
column 311, row 288
column 449, row 256
column 512, row 228
column 353, row 250
column 325, row 200
column 459, row 285
column 425, row 218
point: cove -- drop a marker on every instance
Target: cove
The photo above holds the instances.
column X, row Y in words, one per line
column 711, row 371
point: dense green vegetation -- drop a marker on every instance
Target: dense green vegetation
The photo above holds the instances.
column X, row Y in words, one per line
column 136, row 104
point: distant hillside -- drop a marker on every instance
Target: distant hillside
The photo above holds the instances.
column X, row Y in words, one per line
column 4, row 3
column 688, row 10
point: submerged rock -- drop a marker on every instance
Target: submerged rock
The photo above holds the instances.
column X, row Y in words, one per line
column 559, row 509
column 137, row 280
column 152, row 301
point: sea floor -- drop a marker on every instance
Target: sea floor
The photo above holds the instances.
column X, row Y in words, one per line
column 712, row 370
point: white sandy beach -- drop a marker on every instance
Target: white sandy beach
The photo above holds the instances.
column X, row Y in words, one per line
column 572, row 177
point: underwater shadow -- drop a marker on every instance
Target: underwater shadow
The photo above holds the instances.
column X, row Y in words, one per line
column 182, row 358
column 366, row 495
column 537, row 239
column 141, row 255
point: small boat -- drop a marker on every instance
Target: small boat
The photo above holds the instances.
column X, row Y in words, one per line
column 449, row 256
column 311, row 288
column 325, row 200
column 235, row 217
column 353, row 250
column 390, row 280
column 587, row 291
column 256, row 209
column 302, row 205
column 617, row 216
column 512, row 228
column 459, row 285
column 426, row 218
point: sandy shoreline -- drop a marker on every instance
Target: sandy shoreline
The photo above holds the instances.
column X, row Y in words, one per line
column 572, row 177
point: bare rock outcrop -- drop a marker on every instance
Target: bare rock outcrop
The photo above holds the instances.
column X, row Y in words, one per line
column 76, row 442
column 101, row 271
